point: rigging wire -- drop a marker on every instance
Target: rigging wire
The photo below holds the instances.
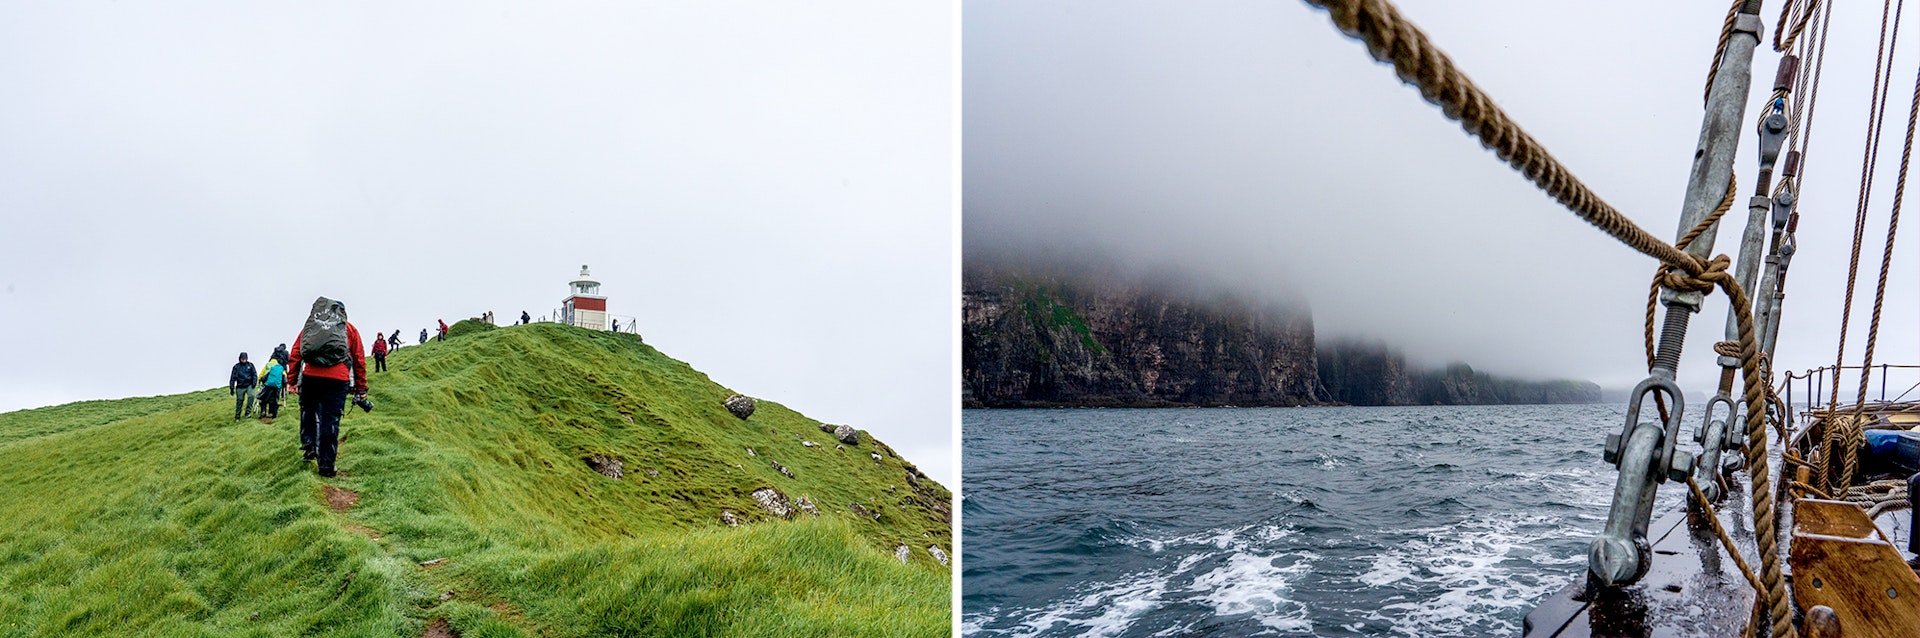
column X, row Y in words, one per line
column 1844, row 436
column 1855, row 437
column 1810, row 99
column 1389, row 37
column 1806, row 9
column 1876, row 117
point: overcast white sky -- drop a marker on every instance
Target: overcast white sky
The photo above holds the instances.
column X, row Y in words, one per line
column 1249, row 141
column 767, row 186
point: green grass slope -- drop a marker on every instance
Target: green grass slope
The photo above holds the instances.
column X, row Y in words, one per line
column 162, row 517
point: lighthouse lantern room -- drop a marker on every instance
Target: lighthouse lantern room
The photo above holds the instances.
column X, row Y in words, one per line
column 585, row 307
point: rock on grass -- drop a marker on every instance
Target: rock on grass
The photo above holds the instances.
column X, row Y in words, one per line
column 605, row 465
column 773, row 501
column 741, row 407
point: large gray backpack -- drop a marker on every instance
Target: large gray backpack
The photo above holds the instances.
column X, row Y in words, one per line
column 323, row 342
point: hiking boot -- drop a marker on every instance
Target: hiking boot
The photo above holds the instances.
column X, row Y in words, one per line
column 308, row 455
column 327, row 473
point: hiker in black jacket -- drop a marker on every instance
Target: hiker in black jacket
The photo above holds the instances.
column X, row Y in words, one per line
column 279, row 354
column 240, row 385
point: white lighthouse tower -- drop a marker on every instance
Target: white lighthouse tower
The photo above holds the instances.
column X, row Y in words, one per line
column 585, row 307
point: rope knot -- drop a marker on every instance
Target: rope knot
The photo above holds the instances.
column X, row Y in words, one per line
column 1714, row 270
column 1728, row 349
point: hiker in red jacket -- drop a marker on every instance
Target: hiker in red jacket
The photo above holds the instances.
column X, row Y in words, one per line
column 323, row 393
column 443, row 330
column 379, row 352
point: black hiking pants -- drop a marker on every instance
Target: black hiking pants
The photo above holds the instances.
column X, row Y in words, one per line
column 321, row 402
column 379, row 362
column 270, row 401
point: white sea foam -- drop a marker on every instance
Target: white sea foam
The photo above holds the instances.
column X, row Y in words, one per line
column 1223, row 569
column 1482, row 566
column 976, row 623
column 1256, row 584
column 1100, row 611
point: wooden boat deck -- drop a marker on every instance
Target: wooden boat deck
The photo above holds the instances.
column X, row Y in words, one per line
column 1691, row 589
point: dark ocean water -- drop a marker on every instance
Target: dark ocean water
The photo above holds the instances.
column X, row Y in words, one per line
column 1416, row 521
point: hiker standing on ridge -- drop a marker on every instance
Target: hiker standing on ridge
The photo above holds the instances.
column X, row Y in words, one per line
column 240, row 385
column 328, row 362
column 423, row 335
column 272, row 382
column 443, row 330
column 393, row 339
column 525, row 318
column 379, row 352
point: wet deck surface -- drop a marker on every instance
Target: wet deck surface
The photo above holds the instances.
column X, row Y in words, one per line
column 1692, row 589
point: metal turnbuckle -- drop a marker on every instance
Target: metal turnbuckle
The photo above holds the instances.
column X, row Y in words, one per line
column 1644, row 452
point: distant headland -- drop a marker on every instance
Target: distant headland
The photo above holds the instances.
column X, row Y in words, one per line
column 1035, row 337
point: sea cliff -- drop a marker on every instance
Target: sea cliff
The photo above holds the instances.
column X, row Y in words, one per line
column 1038, row 338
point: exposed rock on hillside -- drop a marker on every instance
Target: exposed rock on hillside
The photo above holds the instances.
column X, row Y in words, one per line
column 609, row 466
column 773, row 501
column 1372, row 374
column 740, row 406
column 1044, row 340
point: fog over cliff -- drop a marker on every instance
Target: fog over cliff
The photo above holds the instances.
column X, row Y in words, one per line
column 1251, row 145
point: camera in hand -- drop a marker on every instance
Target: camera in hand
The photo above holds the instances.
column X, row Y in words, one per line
column 364, row 404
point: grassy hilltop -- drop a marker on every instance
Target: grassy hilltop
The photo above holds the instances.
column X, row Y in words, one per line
column 161, row 516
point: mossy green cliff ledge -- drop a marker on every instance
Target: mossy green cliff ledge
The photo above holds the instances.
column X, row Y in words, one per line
column 1036, row 337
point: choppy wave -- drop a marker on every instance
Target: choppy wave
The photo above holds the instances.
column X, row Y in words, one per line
column 1461, row 577
column 1225, row 570
column 1349, row 521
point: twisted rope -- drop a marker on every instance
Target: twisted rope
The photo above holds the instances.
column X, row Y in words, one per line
column 1878, row 492
column 1856, row 437
column 1774, row 599
column 1844, row 436
column 1727, row 348
column 1876, row 116
column 1390, row 38
column 1721, row 532
column 1799, row 25
column 1720, row 49
column 1659, row 274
